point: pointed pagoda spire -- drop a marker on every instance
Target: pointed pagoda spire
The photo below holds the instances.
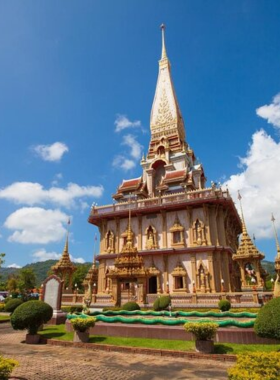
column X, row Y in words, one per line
column 246, row 248
column 276, row 237
column 166, row 119
column 163, row 51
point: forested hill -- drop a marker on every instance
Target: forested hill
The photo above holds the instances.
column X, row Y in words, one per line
column 40, row 269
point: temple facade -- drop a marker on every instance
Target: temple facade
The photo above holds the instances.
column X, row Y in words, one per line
column 166, row 231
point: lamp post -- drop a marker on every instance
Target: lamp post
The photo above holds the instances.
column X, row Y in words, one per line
column 253, row 281
column 222, row 285
column 167, row 287
column 193, row 285
column 272, row 284
column 94, row 292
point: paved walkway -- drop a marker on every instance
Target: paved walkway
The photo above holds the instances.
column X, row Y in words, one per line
column 44, row 362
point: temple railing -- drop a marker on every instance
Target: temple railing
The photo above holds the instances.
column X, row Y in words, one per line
column 172, row 198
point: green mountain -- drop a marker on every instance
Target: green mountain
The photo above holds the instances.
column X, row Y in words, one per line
column 41, row 270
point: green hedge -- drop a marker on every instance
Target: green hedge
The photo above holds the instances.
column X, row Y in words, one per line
column 161, row 303
column 131, row 306
column 267, row 324
column 12, row 305
column 224, row 305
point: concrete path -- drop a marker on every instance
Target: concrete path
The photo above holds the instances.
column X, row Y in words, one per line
column 44, row 362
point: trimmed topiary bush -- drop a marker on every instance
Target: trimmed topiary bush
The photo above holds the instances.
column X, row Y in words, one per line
column 131, row 306
column 162, row 303
column 6, row 367
column 202, row 330
column 76, row 309
column 224, row 305
column 267, row 324
column 31, row 315
column 12, row 304
column 256, row 366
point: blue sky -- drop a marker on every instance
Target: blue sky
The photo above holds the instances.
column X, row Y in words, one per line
column 76, row 89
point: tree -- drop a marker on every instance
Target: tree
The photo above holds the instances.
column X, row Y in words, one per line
column 80, row 275
column 2, row 255
column 27, row 280
column 12, row 284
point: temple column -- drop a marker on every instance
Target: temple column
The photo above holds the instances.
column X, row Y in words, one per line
column 164, row 229
column 193, row 265
column 206, row 224
column 150, row 184
column 139, row 233
column 190, row 230
column 117, row 223
column 211, row 272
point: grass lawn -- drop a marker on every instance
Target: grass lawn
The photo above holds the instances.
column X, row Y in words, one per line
column 4, row 317
column 58, row 332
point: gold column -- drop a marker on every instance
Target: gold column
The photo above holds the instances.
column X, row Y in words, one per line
column 193, row 264
column 206, row 223
column 190, row 231
column 139, row 232
column 164, row 229
column 165, row 275
column 211, row 271
column 117, row 222
column 227, row 276
column 101, row 276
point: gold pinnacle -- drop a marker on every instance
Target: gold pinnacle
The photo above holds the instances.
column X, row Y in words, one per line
column 163, row 52
column 276, row 236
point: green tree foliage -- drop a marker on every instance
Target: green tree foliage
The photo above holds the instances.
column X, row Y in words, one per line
column 12, row 284
column 26, row 280
column 79, row 275
column 2, row 255
column 267, row 324
column 6, row 367
column 224, row 305
column 31, row 315
column 162, row 303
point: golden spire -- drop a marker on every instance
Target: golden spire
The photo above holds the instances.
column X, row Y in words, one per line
column 276, row 237
column 163, row 51
column 166, row 116
column 246, row 248
column 244, row 229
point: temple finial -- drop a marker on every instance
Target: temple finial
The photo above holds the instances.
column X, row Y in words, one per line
column 67, row 237
column 276, row 236
column 163, row 51
column 244, row 230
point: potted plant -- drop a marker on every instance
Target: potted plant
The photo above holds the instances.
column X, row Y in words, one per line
column 31, row 315
column 81, row 328
column 204, row 333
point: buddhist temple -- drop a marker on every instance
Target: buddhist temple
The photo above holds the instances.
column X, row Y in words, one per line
column 166, row 232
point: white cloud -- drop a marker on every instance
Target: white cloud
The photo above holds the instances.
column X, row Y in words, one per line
column 52, row 152
column 134, row 145
column 36, row 225
column 57, row 178
column 124, row 163
column 32, row 193
column 122, row 122
column 259, row 185
column 43, row 255
column 271, row 112
column 14, row 266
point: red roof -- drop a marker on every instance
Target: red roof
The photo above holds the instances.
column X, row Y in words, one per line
column 131, row 183
column 175, row 174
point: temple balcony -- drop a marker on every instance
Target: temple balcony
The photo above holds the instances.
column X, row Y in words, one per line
column 173, row 201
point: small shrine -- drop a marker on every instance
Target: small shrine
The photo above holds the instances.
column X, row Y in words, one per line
column 128, row 277
column 64, row 268
column 90, row 284
column 249, row 259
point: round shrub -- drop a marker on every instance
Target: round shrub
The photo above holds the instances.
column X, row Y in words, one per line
column 83, row 324
column 202, row 330
column 131, row 306
column 162, row 303
column 12, row 304
column 224, row 305
column 31, row 315
column 267, row 324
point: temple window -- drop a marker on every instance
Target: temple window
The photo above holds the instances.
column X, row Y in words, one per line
column 179, row 274
column 177, row 231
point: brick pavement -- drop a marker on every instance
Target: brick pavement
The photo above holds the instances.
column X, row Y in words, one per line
column 44, row 362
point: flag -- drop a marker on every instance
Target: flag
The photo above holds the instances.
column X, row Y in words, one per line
column 69, row 222
column 272, row 218
column 239, row 195
column 95, row 237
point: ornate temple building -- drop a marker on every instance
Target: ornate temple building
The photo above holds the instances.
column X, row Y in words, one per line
column 166, row 232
